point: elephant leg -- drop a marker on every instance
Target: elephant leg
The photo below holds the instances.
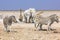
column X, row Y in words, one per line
column 29, row 19
column 25, row 19
column 32, row 20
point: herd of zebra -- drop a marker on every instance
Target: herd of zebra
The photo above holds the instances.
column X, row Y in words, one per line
column 31, row 16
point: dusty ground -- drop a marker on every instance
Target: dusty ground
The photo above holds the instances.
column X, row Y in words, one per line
column 27, row 31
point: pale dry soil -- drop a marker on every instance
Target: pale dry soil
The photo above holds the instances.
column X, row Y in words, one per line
column 27, row 31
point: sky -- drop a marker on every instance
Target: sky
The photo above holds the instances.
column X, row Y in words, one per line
column 25, row 4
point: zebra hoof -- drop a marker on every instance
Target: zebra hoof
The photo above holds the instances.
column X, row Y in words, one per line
column 52, row 29
column 8, row 30
column 32, row 22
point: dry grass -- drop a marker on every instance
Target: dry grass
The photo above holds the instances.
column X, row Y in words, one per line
column 23, row 31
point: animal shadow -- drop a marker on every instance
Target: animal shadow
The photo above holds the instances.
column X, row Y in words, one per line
column 12, row 31
column 56, row 31
column 46, row 29
column 42, row 29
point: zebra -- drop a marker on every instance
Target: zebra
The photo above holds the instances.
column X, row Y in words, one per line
column 7, row 21
column 40, row 20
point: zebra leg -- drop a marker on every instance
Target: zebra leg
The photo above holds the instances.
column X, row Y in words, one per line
column 40, row 27
column 50, row 25
column 48, row 28
column 6, row 28
column 36, row 25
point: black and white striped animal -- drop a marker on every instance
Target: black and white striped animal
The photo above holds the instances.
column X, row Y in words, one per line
column 7, row 21
column 40, row 20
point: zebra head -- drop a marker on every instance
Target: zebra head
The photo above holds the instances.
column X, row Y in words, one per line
column 56, row 19
column 14, row 19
